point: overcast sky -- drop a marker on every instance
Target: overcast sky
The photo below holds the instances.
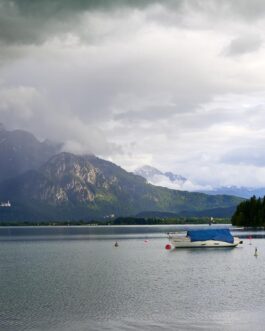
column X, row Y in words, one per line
column 179, row 85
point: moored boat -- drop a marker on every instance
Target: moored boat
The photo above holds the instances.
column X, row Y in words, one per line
column 204, row 238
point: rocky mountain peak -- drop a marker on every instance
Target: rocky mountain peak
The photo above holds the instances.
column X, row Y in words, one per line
column 147, row 171
column 154, row 176
column 66, row 165
column 67, row 186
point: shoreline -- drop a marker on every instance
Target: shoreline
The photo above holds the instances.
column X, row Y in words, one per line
column 235, row 228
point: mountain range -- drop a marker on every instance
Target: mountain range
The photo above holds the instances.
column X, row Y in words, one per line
column 175, row 181
column 154, row 176
column 46, row 184
column 239, row 191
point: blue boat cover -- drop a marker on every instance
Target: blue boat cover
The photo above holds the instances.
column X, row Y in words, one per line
column 211, row 234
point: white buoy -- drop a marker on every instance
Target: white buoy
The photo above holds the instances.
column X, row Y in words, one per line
column 256, row 252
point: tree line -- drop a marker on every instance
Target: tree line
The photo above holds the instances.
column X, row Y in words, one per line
column 250, row 213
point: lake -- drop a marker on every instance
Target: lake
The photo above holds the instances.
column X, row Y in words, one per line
column 73, row 278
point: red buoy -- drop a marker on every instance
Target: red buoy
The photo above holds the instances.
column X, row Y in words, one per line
column 168, row 246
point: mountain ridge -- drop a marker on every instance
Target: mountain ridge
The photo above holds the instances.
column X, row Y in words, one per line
column 176, row 181
column 21, row 151
column 77, row 187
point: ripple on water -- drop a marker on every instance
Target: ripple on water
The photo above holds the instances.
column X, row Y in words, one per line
column 90, row 285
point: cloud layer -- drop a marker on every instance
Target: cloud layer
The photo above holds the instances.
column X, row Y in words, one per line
column 176, row 84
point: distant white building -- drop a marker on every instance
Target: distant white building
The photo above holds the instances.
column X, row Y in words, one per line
column 110, row 216
column 5, row 204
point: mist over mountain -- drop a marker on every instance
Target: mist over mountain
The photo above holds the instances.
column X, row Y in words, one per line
column 73, row 70
column 175, row 181
column 168, row 179
column 74, row 187
column 42, row 184
column 21, row 151
column 150, row 173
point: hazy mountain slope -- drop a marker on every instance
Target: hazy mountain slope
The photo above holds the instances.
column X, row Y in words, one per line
column 174, row 181
column 21, row 151
column 75, row 187
column 151, row 173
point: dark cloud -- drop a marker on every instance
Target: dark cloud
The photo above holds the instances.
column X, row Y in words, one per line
column 32, row 21
column 244, row 9
column 244, row 44
column 249, row 10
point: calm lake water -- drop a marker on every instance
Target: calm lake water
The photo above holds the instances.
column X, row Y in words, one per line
column 73, row 278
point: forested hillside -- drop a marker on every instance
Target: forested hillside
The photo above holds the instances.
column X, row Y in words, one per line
column 250, row 213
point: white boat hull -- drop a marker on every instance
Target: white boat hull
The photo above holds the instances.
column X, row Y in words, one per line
column 185, row 242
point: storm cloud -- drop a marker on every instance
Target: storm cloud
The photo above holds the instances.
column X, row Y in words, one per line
column 175, row 84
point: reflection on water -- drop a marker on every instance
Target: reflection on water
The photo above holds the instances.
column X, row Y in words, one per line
column 85, row 284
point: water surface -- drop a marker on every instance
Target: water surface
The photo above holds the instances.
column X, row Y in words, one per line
column 75, row 279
